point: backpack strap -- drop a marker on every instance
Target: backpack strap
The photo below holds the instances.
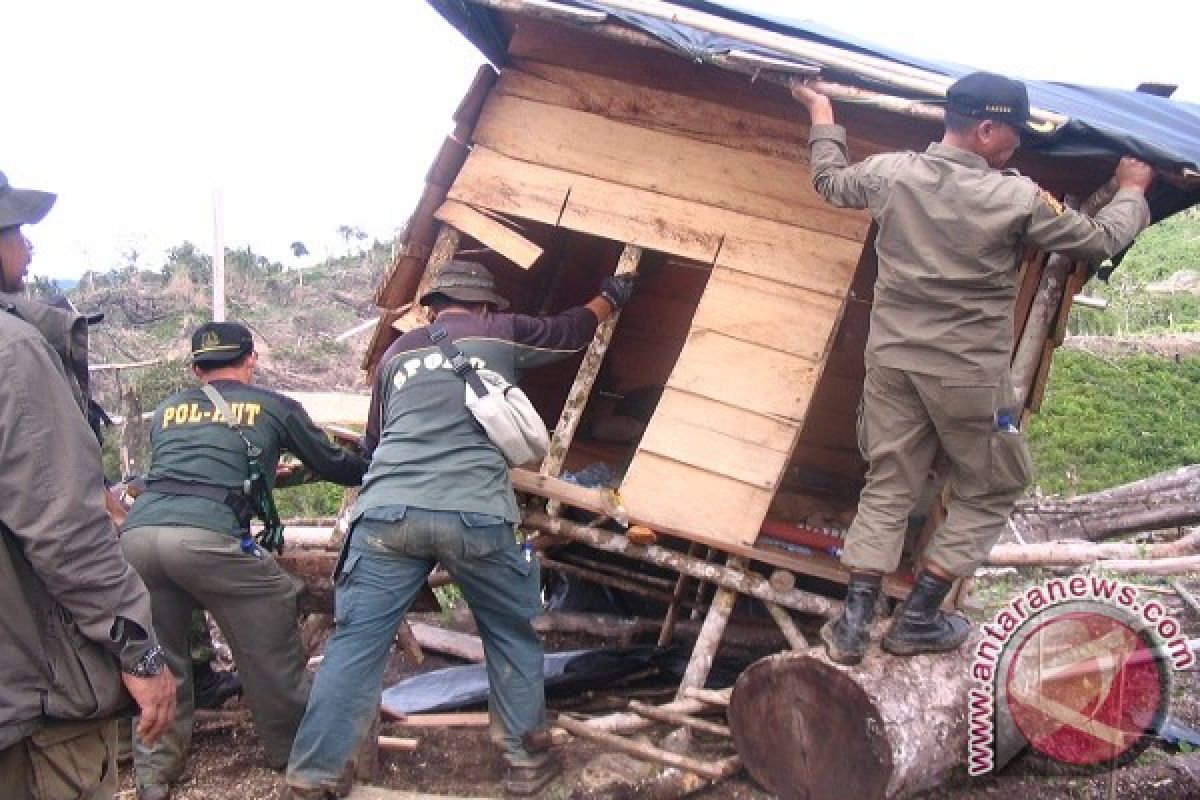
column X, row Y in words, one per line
column 461, row 365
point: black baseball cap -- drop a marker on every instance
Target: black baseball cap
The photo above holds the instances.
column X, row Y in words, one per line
column 220, row 342
column 986, row 95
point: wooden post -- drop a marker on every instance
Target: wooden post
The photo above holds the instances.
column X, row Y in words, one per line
column 709, row 640
column 581, row 389
column 668, row 627
column 1046, row 304
column 788, row 626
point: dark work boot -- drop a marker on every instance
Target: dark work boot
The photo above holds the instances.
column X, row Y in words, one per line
column 529, row 774
column 920, row 626
column 211, row 688
column 847, row 635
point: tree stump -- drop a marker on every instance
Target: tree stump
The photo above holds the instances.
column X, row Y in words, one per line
column 889, row 727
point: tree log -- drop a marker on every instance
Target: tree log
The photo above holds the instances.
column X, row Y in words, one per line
column 889, row 727
column 1078, row 553
column 1167, row 500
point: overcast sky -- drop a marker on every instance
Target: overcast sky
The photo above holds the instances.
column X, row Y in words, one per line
column 309, row 115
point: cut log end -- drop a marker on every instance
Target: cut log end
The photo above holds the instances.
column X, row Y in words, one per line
column 805, row 730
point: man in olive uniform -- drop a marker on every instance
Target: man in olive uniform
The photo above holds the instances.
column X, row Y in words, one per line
column 76, row 630
column 438, row 491
column 952, row 228
column 188, row 537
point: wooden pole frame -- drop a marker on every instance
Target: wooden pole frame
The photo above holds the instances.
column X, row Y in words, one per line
column 581, row 389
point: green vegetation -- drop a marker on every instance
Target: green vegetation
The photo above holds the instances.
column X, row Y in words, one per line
column 1167, row 248
column 1107, row 422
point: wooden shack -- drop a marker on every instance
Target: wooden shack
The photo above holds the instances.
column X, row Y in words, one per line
column 596, row 148
column 589, row 146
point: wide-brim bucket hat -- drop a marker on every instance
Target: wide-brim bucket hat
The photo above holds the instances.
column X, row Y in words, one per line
column 22, row 206
column 466, row 282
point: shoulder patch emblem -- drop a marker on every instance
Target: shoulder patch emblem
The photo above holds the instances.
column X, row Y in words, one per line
column 1051, row 202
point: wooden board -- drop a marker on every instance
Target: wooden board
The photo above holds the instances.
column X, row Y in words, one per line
column 490, row 232
column 752, row 309
column 701, row 503
column 745, row 375
column 787, row 253
column 665, row 111
column 718, row 441
column 590, row 144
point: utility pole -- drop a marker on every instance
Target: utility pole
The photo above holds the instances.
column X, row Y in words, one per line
column 218, row 260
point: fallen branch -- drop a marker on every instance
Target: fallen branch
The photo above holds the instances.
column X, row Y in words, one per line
column 713, row 770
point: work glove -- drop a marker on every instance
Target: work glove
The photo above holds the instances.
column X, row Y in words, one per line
column 617, row 289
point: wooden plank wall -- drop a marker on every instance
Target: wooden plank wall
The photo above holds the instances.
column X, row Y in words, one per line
column 704, row 180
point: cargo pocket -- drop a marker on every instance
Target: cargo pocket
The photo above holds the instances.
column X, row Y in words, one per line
column 1011, row 465
column 73, row 759
column 486, row 534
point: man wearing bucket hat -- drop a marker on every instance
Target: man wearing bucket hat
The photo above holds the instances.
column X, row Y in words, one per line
column 438, row 491
column 952, row 229
column 77, row 629
column 188, row 535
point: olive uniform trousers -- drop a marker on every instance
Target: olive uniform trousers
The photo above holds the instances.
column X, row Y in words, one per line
column 904, row 419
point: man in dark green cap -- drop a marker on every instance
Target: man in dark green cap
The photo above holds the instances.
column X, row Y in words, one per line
column 188, row 536
column 952, row 229
column 76, row 632
column 438, row 491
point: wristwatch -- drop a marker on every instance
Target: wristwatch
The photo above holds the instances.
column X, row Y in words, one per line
column 150, row 664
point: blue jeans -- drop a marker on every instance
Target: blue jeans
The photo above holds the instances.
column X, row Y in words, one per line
column 387, row 562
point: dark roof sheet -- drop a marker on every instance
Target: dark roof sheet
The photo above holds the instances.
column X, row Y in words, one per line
column 1158, row 130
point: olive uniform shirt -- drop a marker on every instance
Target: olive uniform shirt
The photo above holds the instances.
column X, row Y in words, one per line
column 187, row 444
column 951, row 235
column 427, row 451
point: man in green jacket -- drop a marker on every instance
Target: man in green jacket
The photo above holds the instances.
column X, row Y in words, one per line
column 188, row 536
column 76, row 632
column 952, row 229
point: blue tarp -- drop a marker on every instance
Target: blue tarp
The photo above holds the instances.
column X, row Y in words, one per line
column 1113, row 122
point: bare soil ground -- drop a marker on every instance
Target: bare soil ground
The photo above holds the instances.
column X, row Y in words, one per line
column 227, row 762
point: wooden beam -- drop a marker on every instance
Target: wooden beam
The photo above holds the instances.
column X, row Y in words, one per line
column 490, row 233
column 745, row 582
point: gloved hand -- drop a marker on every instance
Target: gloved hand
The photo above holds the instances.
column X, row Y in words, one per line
column 617, row 289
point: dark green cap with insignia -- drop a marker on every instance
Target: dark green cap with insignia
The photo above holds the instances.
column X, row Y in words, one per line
column 220, row 342
column 986, row 95
column 466, row 282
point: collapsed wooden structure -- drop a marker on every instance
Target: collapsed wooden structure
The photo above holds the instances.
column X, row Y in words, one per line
column 723, row 399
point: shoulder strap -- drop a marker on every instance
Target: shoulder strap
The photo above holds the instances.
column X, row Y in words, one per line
column 458, row 362
column 219, row 403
